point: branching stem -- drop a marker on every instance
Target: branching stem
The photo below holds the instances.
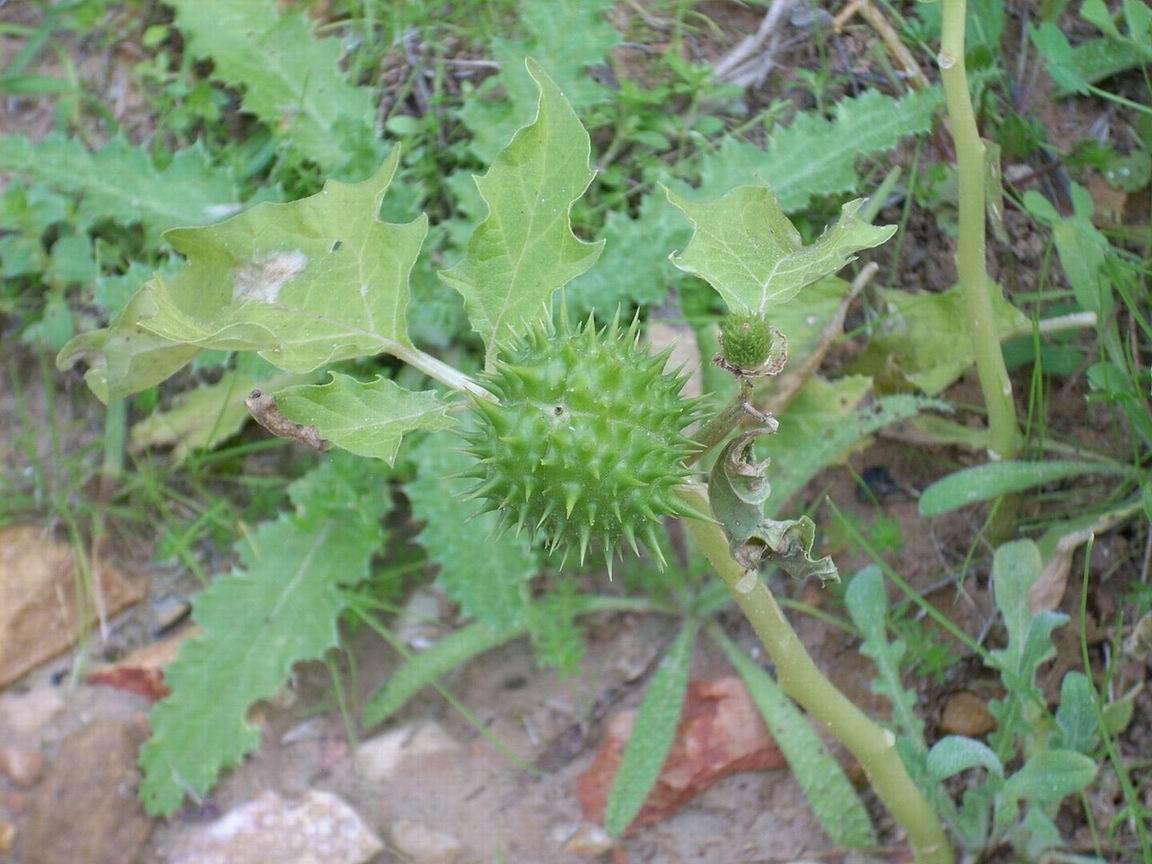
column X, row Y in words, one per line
column 800, row 678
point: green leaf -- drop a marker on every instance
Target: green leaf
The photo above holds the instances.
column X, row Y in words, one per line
column 525, row 250
column 748, row 250
column 280, row 606
column 1047, row 778
column 737, row 490
column 867, row 604
column 985, row 482
column 305, row 284
column 1015, row 567
column 123, row 358
column 1076, row 715
column 824, row 423
column 366, row 418
column 121, row 182
column 486, row 574
column 1054, row 47
column 289, row 79
column 203, row 417
column 814, row 156
column 788, row 544
column 652, row 734
column 634, row 269
column 955, row 753
column 924, row 339
column 426, row 668
column 563, row 36
column 834, row 802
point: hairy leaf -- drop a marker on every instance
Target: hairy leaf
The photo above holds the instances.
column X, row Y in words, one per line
column 305, row 284
column 121, row 182
column 830, row 794
column 280, row 606
column 1076, row 715
column 1046, row 779
column 985, row 482
column 748, row 250
column 653, row 734
column 955, row 753
column 291, row 80
column 426, row 668
column 814, row 156
column 868, row 605
column 525, row 250
column 486, row 574
column 1015, row 567
column 368, row 418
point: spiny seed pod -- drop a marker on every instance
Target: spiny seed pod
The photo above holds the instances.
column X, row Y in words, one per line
column 746, row 340
column 586, row 441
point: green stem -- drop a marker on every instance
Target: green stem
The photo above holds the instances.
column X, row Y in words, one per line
column 1004, row 436
column 436, row 369
column 115, row 432
column 800, row 678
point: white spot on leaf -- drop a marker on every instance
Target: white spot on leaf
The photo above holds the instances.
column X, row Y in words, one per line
column 264, row 276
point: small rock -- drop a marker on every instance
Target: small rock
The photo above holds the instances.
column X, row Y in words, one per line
column 966, row 714
column 38, row 611
column 589, row 841
column 379, row 758
column 86, row 809
column 721, row 733
column 22, row 767
column 320, row 829
column 7, row 836
column 424, row 845
column 420, row 624
column 24, row 716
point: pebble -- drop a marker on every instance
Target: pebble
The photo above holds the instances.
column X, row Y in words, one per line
column 319, row 829
column 22, row 767
column 379, row 758
column 424, row 845
column 967, row 714
column 86, row 808
column 589, row 841
column 24, row 716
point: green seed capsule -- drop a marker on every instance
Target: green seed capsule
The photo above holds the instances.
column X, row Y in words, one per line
column 746, row 340
column 586, row 443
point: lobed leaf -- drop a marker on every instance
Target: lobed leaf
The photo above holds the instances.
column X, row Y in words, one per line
column 652, row 735
column 830, row 794
column 368, row 418
column 816, row 156
column 749, row 251
column 290, row 79
column 1015, row 567
column 122, row 183
column 485, row 572
column 525, row 250
column 279, row 607
column 305, row 284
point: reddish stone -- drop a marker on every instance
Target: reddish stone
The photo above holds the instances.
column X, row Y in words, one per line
column 720, row 733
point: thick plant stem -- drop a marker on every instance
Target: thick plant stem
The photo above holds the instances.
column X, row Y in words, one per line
column 1004, row 435
column 800, row 678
